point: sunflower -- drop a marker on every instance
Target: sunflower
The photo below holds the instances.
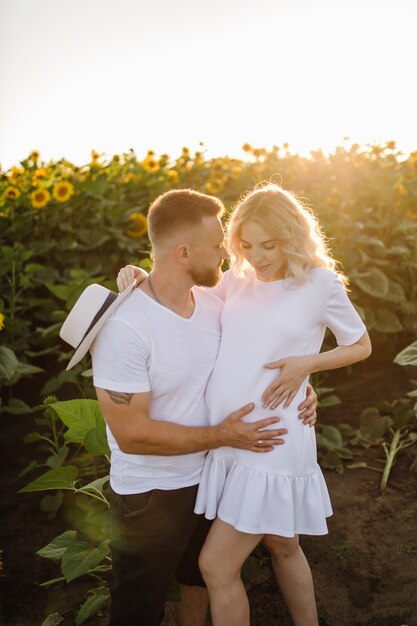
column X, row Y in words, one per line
column 173, row 175
column 40, row 173
column 35, row 155
column 2, row 318
column 150, row 165
column 63, row 191
column 140, row 225
column 12, row 193
column 95, row 156
column 40, row 198
column 214, row 186
column 16, row 171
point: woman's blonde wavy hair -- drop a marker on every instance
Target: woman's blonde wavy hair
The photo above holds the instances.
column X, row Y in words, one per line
column 290, row 222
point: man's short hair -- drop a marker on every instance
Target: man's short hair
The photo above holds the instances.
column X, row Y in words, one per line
column 178, row 209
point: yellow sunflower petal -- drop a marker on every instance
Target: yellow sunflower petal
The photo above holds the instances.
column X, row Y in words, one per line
column 12, row 193
column 63, row 191
column 40, row 198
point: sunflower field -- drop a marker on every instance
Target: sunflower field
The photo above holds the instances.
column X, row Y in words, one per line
column 63, row 227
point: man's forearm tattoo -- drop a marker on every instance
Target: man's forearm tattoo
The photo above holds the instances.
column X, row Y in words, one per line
column 119, row 397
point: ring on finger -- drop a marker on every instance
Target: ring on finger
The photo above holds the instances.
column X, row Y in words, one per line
column 259, row 443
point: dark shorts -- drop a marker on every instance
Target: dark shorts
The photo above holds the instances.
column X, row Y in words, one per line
column 155, row 537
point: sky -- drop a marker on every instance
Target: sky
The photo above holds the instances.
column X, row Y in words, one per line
column 111, row 75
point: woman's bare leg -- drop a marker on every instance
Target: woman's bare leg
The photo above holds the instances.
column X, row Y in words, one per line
column 293, row 575
column 221, row 559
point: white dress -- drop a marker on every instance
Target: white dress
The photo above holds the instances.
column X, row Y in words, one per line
column 281, row 492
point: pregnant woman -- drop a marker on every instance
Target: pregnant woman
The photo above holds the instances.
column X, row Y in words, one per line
column 280, row 295
column 279, row 298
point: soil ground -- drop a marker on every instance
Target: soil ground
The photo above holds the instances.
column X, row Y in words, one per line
column 365, row 569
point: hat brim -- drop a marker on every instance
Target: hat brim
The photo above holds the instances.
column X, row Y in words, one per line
column 87, row 341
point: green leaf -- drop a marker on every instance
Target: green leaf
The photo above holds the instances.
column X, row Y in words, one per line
column 56, row 548
column 96, row 441
column 8, row 363
column 371, row 241
column 57, row 460
column 330, row 438
column 56, row 382
column 375, row 283
column 329, row 401
column 101, row 519
column 408, row 356
column 384, row 406
column 387, row 321
column 50, row 330
column 97, row 485
column 331, row 460
column 53, row 620
column 16, row 407
column 372, row 424
column 51, row 503
column 59, row 478
column 92, row 238
column 80, row 558
column 323, row 390
column 396, row 293
column 31, row 466
column 93, row 604
column 62, row 292
column 398, row 250
column 403, row 414
column 80, row 416
column 25, row 369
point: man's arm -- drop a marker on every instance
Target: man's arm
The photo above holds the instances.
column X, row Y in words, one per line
column 127, row 415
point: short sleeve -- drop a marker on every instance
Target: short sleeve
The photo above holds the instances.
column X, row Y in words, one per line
column 120, row 358
column 341, row 316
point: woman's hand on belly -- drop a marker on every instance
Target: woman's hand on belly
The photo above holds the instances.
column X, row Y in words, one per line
column 294, row 371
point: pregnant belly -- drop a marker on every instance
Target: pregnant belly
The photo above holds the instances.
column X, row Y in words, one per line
column 229, row 389
column 297, row 456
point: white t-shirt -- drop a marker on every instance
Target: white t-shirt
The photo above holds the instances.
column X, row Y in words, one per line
column 143, row 347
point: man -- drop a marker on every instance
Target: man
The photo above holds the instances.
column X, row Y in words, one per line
column 151, row 363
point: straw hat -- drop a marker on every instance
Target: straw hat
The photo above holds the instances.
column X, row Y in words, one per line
column 87, row 317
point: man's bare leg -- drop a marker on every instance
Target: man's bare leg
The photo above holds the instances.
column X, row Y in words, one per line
column 193, row 608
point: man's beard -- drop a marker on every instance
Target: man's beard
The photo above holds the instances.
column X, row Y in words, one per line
column 205, row 276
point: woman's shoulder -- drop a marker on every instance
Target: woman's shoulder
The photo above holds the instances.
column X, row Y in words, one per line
column 323, row 274
column 324, row 280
